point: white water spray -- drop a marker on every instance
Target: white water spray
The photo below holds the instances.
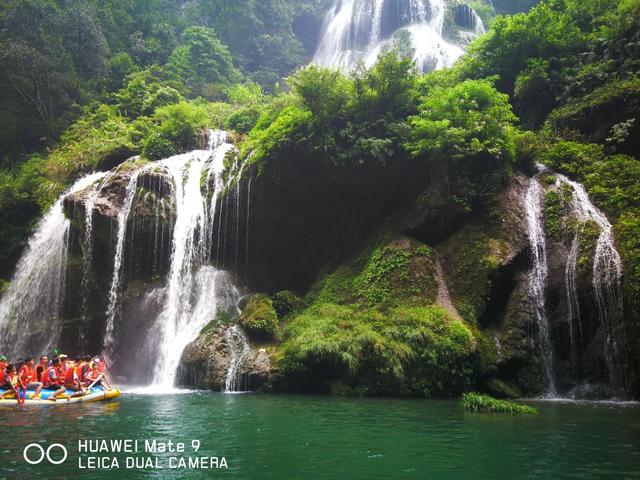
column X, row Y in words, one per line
column 359, row 30
column 196, row 291
column 239, row 349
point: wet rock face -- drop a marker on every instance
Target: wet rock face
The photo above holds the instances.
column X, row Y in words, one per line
column 307, row 216
column 147, row 250
column 205, row 362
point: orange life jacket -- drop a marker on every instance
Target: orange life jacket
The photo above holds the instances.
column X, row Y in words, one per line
column 71, row 376
column 3, row 375
column 25, row 374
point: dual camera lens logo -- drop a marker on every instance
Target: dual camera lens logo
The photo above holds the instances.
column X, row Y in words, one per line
column 34, row 453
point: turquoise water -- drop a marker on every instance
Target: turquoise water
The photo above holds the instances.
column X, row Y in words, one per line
column 299, row 437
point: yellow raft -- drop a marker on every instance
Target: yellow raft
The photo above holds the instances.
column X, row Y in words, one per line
column 95, row 394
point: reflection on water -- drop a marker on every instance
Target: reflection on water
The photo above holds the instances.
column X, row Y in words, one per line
column 295, row 437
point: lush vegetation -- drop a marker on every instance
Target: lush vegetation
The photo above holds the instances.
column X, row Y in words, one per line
column 86, row 85
column 477, row 403
column 371, row 329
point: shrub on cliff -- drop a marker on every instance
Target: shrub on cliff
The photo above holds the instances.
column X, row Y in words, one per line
column 469, row 125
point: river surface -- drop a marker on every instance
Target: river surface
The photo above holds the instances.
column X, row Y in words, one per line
column 312, row 437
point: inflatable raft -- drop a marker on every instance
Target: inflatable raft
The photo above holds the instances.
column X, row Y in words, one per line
column 95, row 394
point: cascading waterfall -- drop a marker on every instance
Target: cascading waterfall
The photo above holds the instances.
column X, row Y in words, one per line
column 195, row 291
column 606, row 273
column 533, row 205
column 239, row 347
column 33, row 298
column 359, row 30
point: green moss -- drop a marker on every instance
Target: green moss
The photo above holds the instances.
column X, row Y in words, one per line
column 259, row 318
column 588, row 233
column 555, row 203
column 477, row 403
column 469, row 259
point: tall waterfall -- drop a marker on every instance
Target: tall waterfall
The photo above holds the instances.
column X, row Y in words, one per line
column 538, row 276
column 359, row 30
column 31, row 303
column 195, row 290
column 606, row 273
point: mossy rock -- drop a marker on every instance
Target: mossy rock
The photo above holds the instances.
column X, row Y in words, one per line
column 259, row 318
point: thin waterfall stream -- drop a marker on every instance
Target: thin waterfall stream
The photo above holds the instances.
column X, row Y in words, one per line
column 533, row 205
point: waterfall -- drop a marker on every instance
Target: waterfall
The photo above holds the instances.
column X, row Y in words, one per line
column 87, row 251
column 195, row 290
column 239, row 347
column 533, row 205
column 359, row 30
column 478, row 28
column 116, row 279
column 31, row 303
column 573, row 307
column 246, row 243
column 606, row 272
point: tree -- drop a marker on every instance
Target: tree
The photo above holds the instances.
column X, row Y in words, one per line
column 201, row 58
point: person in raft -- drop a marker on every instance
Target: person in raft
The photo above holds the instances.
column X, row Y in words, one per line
column 94, row 375
column 28, row 378
column 53, row 380
column 72, row 379
column 41, row 368
column 9, row 381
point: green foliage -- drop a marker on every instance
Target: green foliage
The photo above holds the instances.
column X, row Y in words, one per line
column 628, row 229
column 19, row 205
column 470, row 126
column 417, row 350
column 84, row 144
column 286, row 303
column 259, row 318
column 554, row 209
column 180, row 123
column 607, row 114
column 201, row 60
column 477, row 403
column 157, row 147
